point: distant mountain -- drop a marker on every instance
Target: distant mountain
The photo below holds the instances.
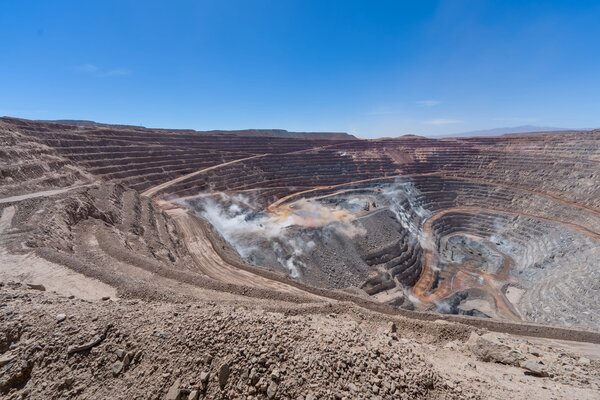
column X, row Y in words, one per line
column 508, row 130
column 287, row 134
column 79, row 122
column 86, row 123
column 243, row 132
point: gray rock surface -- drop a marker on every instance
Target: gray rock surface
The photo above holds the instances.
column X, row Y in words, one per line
column 489, row 347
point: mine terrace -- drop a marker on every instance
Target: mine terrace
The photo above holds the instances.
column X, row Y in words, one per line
column 266, row 264
column 502, row 228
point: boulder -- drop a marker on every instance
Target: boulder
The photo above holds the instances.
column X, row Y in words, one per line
column 117, row 368
column 490, row 348
column 34, row 286
column 174, row 392
column 583, row 361
column 204, row 375
column 5, row 359
column 392, row 327
column 535, row 368
column 272, row 390
column 223, row 374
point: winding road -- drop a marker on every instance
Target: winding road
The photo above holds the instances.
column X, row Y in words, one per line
column 43, row 193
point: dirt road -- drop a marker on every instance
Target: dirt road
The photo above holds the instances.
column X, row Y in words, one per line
column 44, row 193
column 154, row 190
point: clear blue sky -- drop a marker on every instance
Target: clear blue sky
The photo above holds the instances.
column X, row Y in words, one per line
column 373, row 68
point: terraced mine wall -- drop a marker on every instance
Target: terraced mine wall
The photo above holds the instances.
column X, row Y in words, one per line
column 506, row 227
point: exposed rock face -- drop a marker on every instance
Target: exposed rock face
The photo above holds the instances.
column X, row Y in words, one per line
column 508, row 209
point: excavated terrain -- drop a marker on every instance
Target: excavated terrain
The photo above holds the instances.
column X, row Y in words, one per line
column 179, row 264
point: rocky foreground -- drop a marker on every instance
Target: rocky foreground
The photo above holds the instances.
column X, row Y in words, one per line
column 56, row 347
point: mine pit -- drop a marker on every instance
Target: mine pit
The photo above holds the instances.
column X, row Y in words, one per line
column 415, row 243
column 129, row 239
column 470, row 227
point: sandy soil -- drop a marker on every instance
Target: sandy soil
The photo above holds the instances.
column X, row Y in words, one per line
column 54, row 347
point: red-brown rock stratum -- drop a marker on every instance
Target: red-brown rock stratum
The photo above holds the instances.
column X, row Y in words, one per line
column 152, row 263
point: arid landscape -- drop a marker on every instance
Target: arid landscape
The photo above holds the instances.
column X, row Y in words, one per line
column 178, row 264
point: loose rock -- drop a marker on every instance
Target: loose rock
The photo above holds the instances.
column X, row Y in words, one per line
column 174, row 391
column 223, row 374
column 535, row 368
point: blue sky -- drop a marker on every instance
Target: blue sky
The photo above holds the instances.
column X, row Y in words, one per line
column 373, row 68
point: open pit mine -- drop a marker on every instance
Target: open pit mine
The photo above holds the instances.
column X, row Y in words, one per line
column 270, row 264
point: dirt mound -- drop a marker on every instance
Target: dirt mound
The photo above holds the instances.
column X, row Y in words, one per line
column 61, row 348
column 54, row 347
